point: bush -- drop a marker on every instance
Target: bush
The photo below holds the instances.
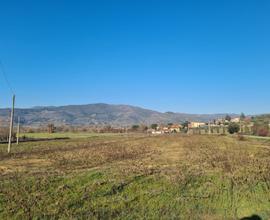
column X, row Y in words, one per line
column 135, row 127
column 261, row 128
column 233, row 128
column 4, row 133
column 154, row 126
column 263, row 132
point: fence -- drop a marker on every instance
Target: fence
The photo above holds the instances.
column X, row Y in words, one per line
column 219, row 130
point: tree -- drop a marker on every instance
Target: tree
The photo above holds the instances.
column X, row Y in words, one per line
column 242, row 116
column 228, row 118
column 143, row 128
column 154, row 126
column 233, row 128
column 185, row 124
column 51, row 128
column 261, row 128
column 135, row 127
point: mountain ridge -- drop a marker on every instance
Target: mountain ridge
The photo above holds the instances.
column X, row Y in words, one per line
column 101, row 114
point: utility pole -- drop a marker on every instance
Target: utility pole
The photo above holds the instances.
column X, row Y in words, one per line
column 18, row 130
column 209, row 128
column 11, row 124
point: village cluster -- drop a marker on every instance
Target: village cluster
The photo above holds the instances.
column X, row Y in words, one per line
column 213, row 126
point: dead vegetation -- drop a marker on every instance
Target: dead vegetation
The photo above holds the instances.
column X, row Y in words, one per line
column 70, row 156
column 216, row 173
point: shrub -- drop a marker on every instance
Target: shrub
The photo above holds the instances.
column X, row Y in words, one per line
column 51, row 128
column 135, row 127
column 233, row 128
column 263, row 132
column 4, row 133
column 154, row 126
column 261, row 128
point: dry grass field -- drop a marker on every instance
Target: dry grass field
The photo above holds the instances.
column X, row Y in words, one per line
column 136, row 177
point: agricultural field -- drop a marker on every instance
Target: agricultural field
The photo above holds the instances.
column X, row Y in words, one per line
column 136, row 177
column 66, row 135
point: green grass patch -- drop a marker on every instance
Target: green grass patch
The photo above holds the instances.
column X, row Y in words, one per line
column 135, row 177
column 99, row 196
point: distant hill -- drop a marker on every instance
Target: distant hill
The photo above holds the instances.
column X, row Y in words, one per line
column 101, row 114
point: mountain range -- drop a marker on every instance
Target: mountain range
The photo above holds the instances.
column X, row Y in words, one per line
column 100, row 114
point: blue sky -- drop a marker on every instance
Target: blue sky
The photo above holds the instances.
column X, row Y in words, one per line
column 183, row 56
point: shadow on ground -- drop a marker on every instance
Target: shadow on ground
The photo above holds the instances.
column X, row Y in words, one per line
column 253, row 217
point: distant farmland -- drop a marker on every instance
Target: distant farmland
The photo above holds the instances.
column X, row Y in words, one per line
column 136, row 177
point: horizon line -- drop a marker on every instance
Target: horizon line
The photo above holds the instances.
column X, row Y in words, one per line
column 136, row 106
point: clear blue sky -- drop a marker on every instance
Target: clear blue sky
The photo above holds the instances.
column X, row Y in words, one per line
column 182, row 56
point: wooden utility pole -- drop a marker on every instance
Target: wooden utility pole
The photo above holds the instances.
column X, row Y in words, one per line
column 18, row 130
column 209, row 128
column 11, row 124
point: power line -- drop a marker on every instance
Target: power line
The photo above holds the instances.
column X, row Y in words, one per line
column 6, row 78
